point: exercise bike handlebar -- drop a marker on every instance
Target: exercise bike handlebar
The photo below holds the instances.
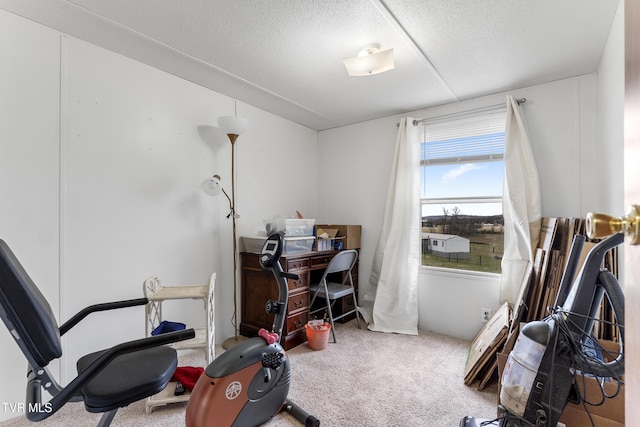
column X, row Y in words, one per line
column 292, row 276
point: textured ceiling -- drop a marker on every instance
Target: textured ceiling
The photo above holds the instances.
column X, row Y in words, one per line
column 285, row 56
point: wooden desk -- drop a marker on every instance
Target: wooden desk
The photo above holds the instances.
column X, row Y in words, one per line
column 260, row 286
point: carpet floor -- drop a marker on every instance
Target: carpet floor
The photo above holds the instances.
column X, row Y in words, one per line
column 366, row 379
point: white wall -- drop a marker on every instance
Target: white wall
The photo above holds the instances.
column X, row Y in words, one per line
column 352, row 181
column 561, row 118
column 29, row 205
column 132, row 160
column 453, row 315
column 610, row 149
column 101, row 158
column 100, row 168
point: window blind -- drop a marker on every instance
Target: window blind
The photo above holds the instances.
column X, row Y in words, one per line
column 470, row 138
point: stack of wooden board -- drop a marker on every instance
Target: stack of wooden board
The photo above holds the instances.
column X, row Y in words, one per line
column 540, row 292
column 537, row 297
column 550, row 259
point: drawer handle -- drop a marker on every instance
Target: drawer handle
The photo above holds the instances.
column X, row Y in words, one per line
column 298, row 303
column 297, row 324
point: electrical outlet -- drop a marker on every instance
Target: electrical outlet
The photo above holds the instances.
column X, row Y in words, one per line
column 485, row 314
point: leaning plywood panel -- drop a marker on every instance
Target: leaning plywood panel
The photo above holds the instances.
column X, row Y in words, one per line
column 487, row 342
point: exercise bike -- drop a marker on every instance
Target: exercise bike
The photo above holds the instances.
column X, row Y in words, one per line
column 248, row 384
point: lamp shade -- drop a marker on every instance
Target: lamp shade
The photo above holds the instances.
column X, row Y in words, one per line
column 211, row 186
column 370, row 61
column 232, row 125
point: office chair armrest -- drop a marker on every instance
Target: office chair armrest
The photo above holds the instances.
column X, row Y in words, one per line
column 99, row 307
column 37, row 411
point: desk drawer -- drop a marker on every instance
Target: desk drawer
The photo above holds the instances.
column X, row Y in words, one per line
column 298, row 301
column 301, row 283
column 321, row 261
column 297, row 264
column 297, row 321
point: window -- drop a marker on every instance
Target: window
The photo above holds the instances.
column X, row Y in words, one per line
column 462, row 171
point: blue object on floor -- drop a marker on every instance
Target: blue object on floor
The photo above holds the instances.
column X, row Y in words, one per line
column 166, row 326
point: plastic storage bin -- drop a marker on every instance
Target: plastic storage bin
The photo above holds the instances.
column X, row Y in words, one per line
column 290, row 226
column 298, row 227
column 294, row 245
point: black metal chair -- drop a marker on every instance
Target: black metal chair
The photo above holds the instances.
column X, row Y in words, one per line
column 342, row 262
column 107, row 380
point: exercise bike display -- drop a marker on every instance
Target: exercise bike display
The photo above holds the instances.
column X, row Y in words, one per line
column 249, row 383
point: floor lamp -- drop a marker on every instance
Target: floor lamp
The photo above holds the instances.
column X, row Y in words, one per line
column 233, row 127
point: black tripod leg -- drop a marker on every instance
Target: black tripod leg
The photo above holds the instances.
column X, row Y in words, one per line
column 300, row 414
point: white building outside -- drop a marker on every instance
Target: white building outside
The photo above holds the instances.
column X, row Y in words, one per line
column 446, row 245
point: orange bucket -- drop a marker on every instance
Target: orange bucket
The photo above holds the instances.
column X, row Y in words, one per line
column 318, row 336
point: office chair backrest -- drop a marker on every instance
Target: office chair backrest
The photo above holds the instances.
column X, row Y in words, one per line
column 343, row 261
column 26, row 312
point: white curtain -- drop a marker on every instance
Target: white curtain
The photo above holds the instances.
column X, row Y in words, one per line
column 391, row 302
column 521, row 204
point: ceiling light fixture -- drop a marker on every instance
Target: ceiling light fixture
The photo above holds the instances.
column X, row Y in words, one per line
column 371, row 60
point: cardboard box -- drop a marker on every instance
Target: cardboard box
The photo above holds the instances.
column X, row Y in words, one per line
column 577, row 417
column 349, row 234
column 325, row 243
column 609, row 414
column 502, row 362
column 487, row 343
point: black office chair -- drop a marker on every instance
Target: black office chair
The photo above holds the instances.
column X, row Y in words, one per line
column 107, row 380
column 343, row 262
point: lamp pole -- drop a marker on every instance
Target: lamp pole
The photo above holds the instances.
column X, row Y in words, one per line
column 232, row 126
column 232, row 137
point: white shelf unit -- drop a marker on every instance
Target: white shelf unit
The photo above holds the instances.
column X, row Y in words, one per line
column 156, row 292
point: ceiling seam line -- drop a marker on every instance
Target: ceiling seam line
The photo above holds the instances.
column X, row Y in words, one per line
column 190, row 57
column 391, row 18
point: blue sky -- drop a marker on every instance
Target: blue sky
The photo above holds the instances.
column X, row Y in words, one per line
column 463, row 180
